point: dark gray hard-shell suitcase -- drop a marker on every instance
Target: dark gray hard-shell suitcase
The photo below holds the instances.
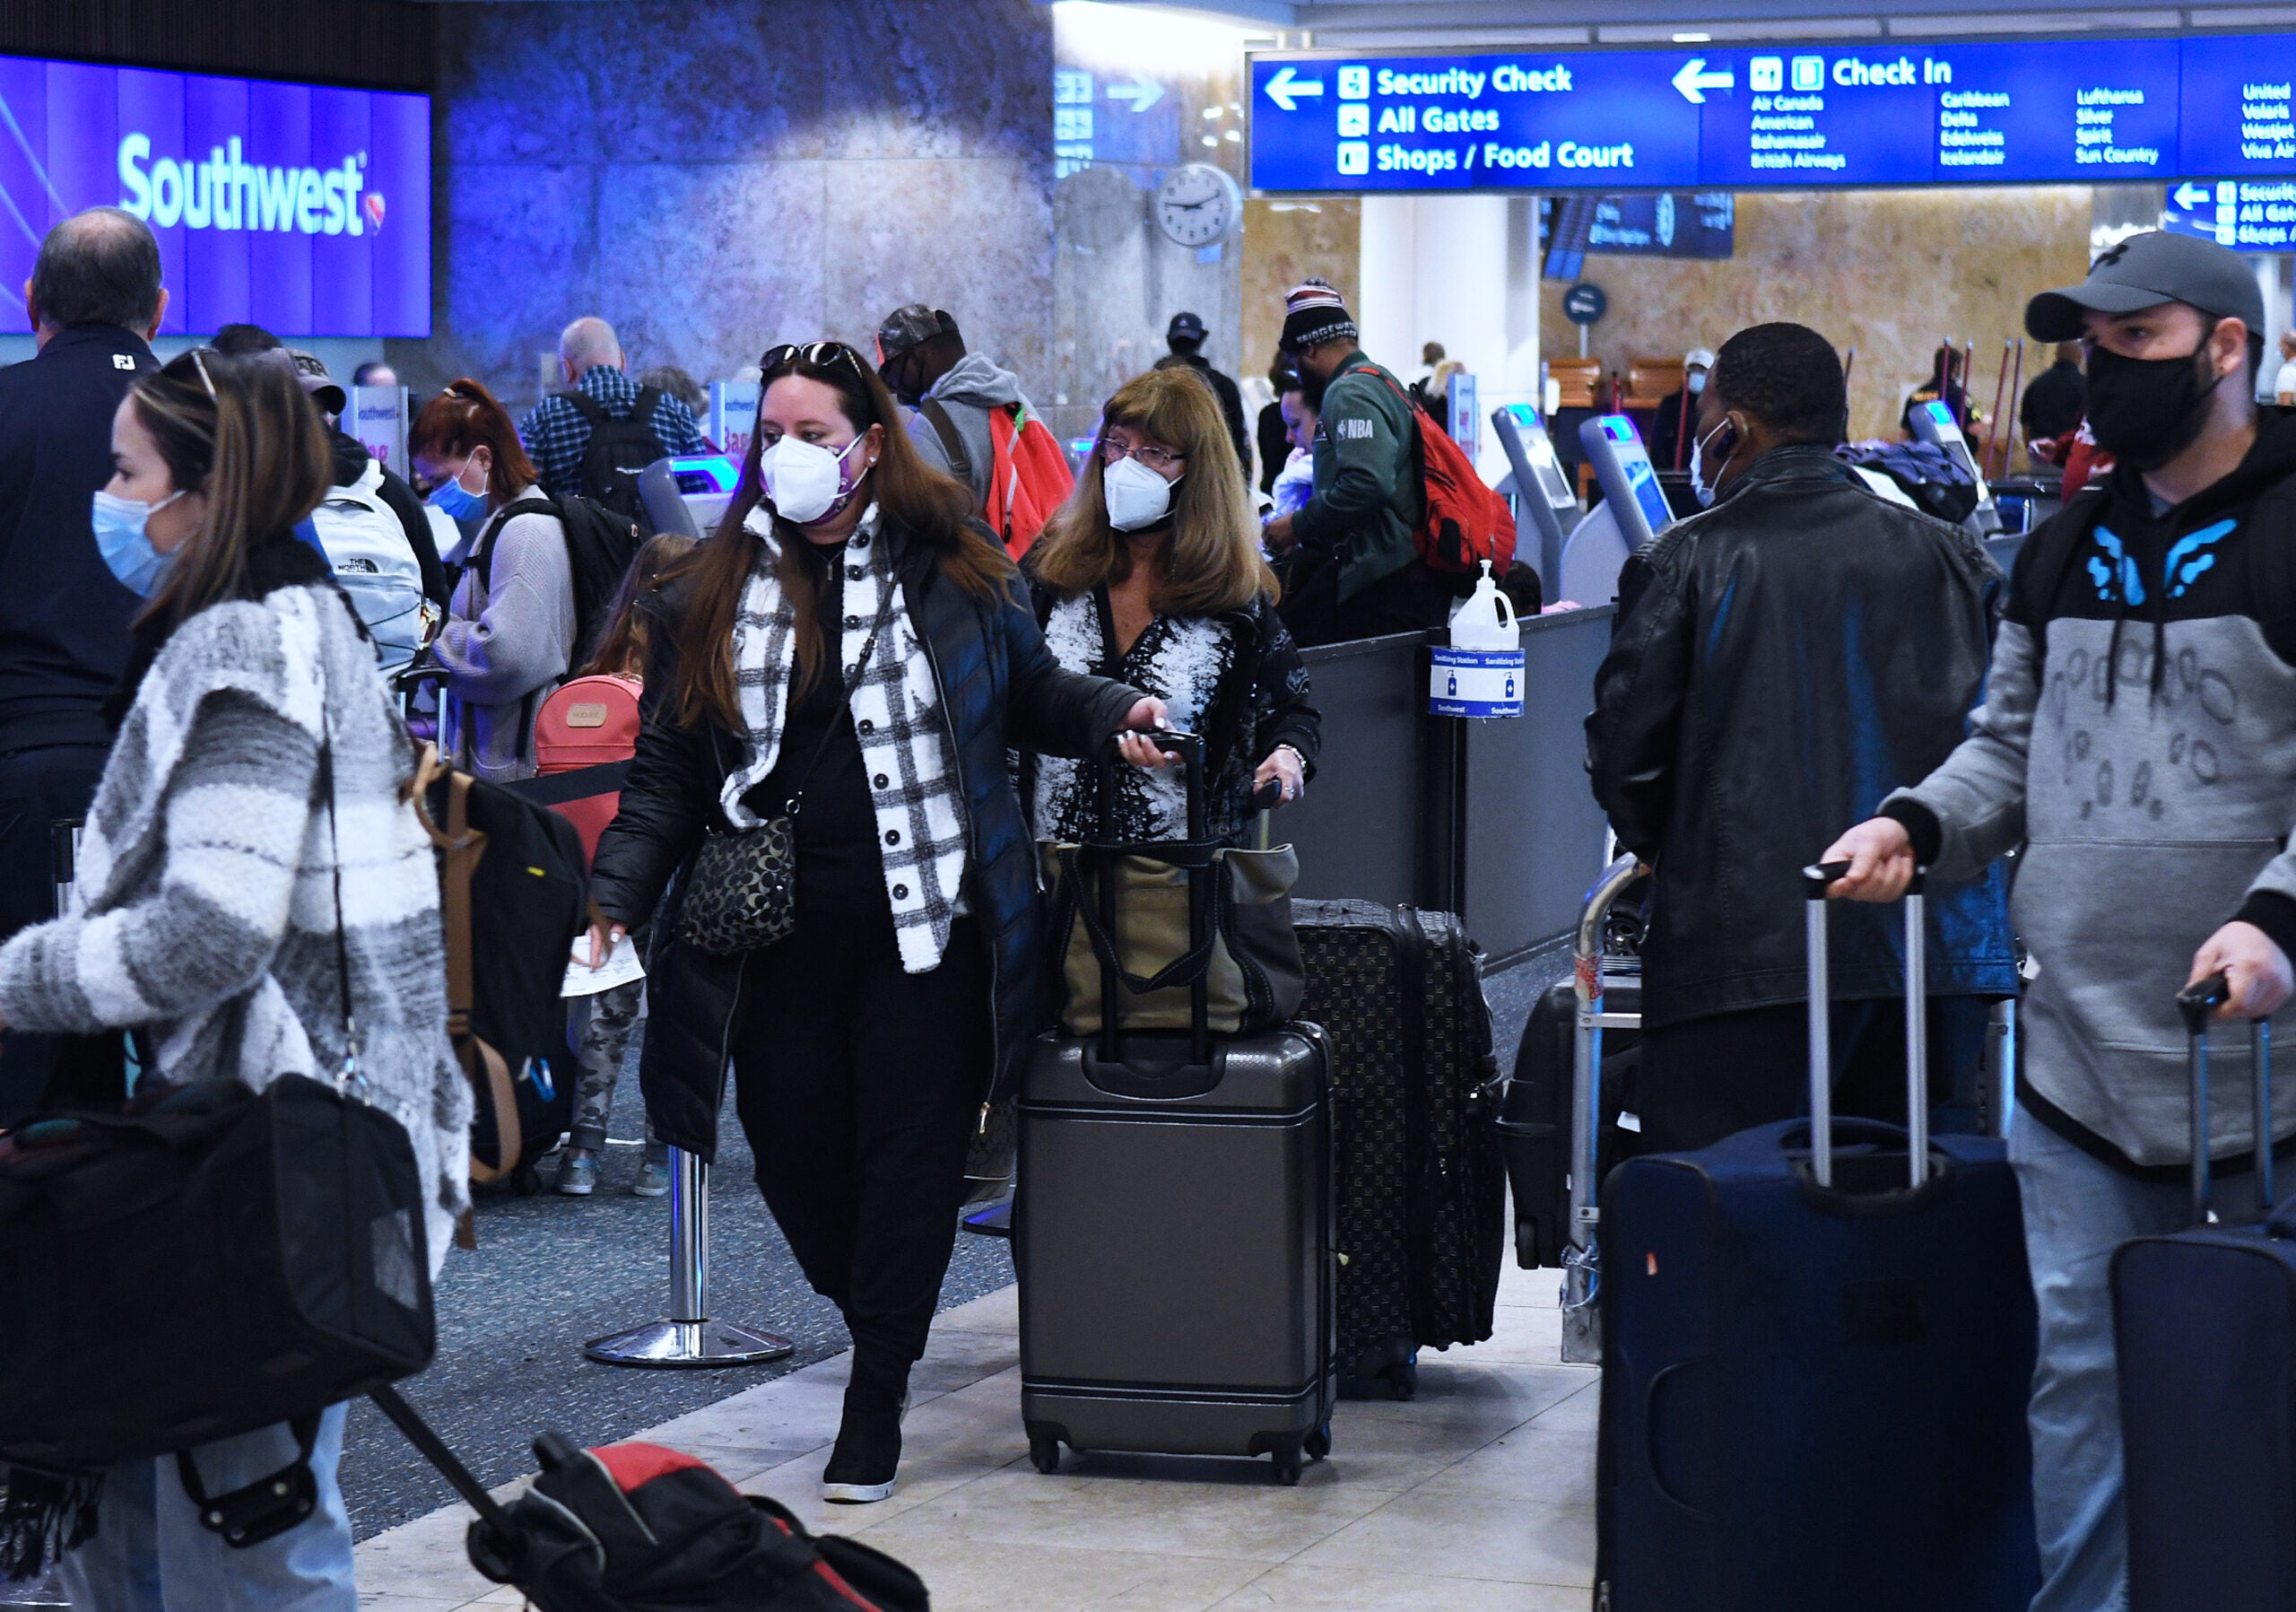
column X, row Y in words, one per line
column 1172, row 1232
column 2205, row 1324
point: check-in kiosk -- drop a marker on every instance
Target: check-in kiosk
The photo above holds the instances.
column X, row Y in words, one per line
column 1634, row 511
column 1934, row 423
column 685, row 493
column 1539, row 485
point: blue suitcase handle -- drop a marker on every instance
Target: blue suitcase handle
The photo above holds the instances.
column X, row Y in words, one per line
column 1816, row 880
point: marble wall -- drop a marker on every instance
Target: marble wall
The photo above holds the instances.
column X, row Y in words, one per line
column 1890, row 272
column 716, row 176
column 1286, row 242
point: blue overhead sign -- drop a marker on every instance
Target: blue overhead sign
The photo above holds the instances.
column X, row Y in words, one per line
column 2249, row 215
column 1989, row 112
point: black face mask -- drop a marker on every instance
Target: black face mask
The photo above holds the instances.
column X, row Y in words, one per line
column 899, row 374
column 2147, row 411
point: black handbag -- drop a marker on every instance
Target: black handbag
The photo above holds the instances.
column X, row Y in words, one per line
column 742, row 892
column 207, row 1260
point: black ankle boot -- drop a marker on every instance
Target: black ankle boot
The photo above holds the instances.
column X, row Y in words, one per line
column 867, row 1455
column 862, row 1466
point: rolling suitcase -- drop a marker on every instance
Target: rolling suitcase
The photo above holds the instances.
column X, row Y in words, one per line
column 2205, row 1324
column 1534, row 1114
column 1422, row 1215
column 1819, row 1342
column 1172, row 1230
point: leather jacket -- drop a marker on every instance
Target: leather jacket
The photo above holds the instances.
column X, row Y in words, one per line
column 1781, row 663
column 999, row 687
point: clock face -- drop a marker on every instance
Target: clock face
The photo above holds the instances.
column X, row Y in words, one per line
column 1197, row 204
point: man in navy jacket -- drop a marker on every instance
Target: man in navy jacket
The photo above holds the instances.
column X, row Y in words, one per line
column 95, row 303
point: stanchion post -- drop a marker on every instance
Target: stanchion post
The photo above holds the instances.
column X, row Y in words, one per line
column 689, row 1335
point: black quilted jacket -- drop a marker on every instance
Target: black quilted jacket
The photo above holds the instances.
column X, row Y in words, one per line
column 998, row 687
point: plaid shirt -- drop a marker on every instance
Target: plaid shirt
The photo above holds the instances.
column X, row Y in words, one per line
column 556, row 434
column 898, row 717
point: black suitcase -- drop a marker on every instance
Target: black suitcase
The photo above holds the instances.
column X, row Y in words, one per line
column 1534, row 1114
column 1815, row 1370
column 1423, row 1219
column 2205, row 1327
column 1172, row 1233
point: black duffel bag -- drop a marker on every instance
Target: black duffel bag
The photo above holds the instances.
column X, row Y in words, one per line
column 205, row 1262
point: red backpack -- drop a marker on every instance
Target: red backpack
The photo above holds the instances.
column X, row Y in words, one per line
column 587, row 722
column 1028, row 477
column 1466, row 522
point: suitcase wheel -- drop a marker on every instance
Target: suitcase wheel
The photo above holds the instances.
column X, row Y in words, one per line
column 1288, row 1461
column 1402, row 1378
column 1317, row 1444
column 526, row 1181
column 1044, row 1454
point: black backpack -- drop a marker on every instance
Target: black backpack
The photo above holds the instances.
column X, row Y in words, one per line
column 636, row 1527
column 600, row 545
column 618, row 451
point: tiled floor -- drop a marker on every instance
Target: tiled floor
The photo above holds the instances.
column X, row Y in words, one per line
column 1477, row 1494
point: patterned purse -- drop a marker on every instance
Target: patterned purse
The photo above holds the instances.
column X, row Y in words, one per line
column 741, row 893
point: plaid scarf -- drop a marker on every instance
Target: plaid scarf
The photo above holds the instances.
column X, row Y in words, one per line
column 896, row 709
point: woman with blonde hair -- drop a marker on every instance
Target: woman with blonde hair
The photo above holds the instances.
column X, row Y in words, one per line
column 1151, row 573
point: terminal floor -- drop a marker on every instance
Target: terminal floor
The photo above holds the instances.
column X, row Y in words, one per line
column 551, row 1273
column 1477, row 1494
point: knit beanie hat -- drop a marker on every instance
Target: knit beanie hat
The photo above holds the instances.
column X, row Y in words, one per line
column 1313, row 314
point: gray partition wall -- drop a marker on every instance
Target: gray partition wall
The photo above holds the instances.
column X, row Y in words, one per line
column 1490, row 819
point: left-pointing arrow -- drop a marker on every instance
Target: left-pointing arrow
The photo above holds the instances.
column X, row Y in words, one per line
column 1142, row 92
column 1694, row 80
column 1286, row 84
column 2190, row 196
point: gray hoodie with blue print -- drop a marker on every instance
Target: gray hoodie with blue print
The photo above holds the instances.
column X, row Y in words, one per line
column 2138, row 738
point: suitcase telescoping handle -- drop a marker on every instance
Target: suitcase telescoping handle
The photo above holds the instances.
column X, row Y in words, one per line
column 1189, row 748
column 1815, row 881
column 2196, row 1002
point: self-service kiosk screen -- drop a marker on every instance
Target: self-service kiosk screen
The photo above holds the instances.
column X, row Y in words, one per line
column 1641, row 480
column 1540, row 450
column 704, row 475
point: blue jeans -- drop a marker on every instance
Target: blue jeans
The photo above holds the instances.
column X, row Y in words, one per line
column 150, row 1554
column 2077, row 1212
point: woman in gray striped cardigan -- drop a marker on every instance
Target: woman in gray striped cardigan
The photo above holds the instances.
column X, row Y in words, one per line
column 205, row 909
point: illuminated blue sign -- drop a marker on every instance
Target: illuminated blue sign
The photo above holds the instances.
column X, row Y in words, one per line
column 2064, row 111
column 2249, row 215
column 302, row 208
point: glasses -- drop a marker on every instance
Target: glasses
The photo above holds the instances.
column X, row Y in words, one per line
column 1158, row 459
column 821, row 355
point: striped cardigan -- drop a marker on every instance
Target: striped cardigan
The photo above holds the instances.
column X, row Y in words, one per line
column 205, row 908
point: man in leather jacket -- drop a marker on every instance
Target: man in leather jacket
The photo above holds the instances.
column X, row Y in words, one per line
column 1781, row 663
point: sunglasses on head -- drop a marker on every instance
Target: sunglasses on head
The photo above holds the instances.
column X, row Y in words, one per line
column 821, row 355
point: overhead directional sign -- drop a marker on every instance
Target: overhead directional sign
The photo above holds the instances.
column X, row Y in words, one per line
column 1988, row 111
column 2249, row 216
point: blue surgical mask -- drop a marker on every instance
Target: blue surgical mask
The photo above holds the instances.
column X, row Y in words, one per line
column 125, row 545
column 458, row 502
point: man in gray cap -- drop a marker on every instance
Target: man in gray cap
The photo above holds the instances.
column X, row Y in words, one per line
column 2139, row 738
column 921, row 358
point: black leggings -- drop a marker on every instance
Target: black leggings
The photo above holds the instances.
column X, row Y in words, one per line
column 859, row 1086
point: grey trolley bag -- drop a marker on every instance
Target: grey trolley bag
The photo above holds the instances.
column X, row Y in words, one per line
column 2205, row 1324
column 1172, row 1230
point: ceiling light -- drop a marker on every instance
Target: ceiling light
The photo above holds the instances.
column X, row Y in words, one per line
column 1694, row 39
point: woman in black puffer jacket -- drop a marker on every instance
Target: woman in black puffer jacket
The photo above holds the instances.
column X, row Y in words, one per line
column 865, row 1042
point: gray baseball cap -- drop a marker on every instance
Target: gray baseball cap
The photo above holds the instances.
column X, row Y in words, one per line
column 906, row 325
column 2145, row 271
